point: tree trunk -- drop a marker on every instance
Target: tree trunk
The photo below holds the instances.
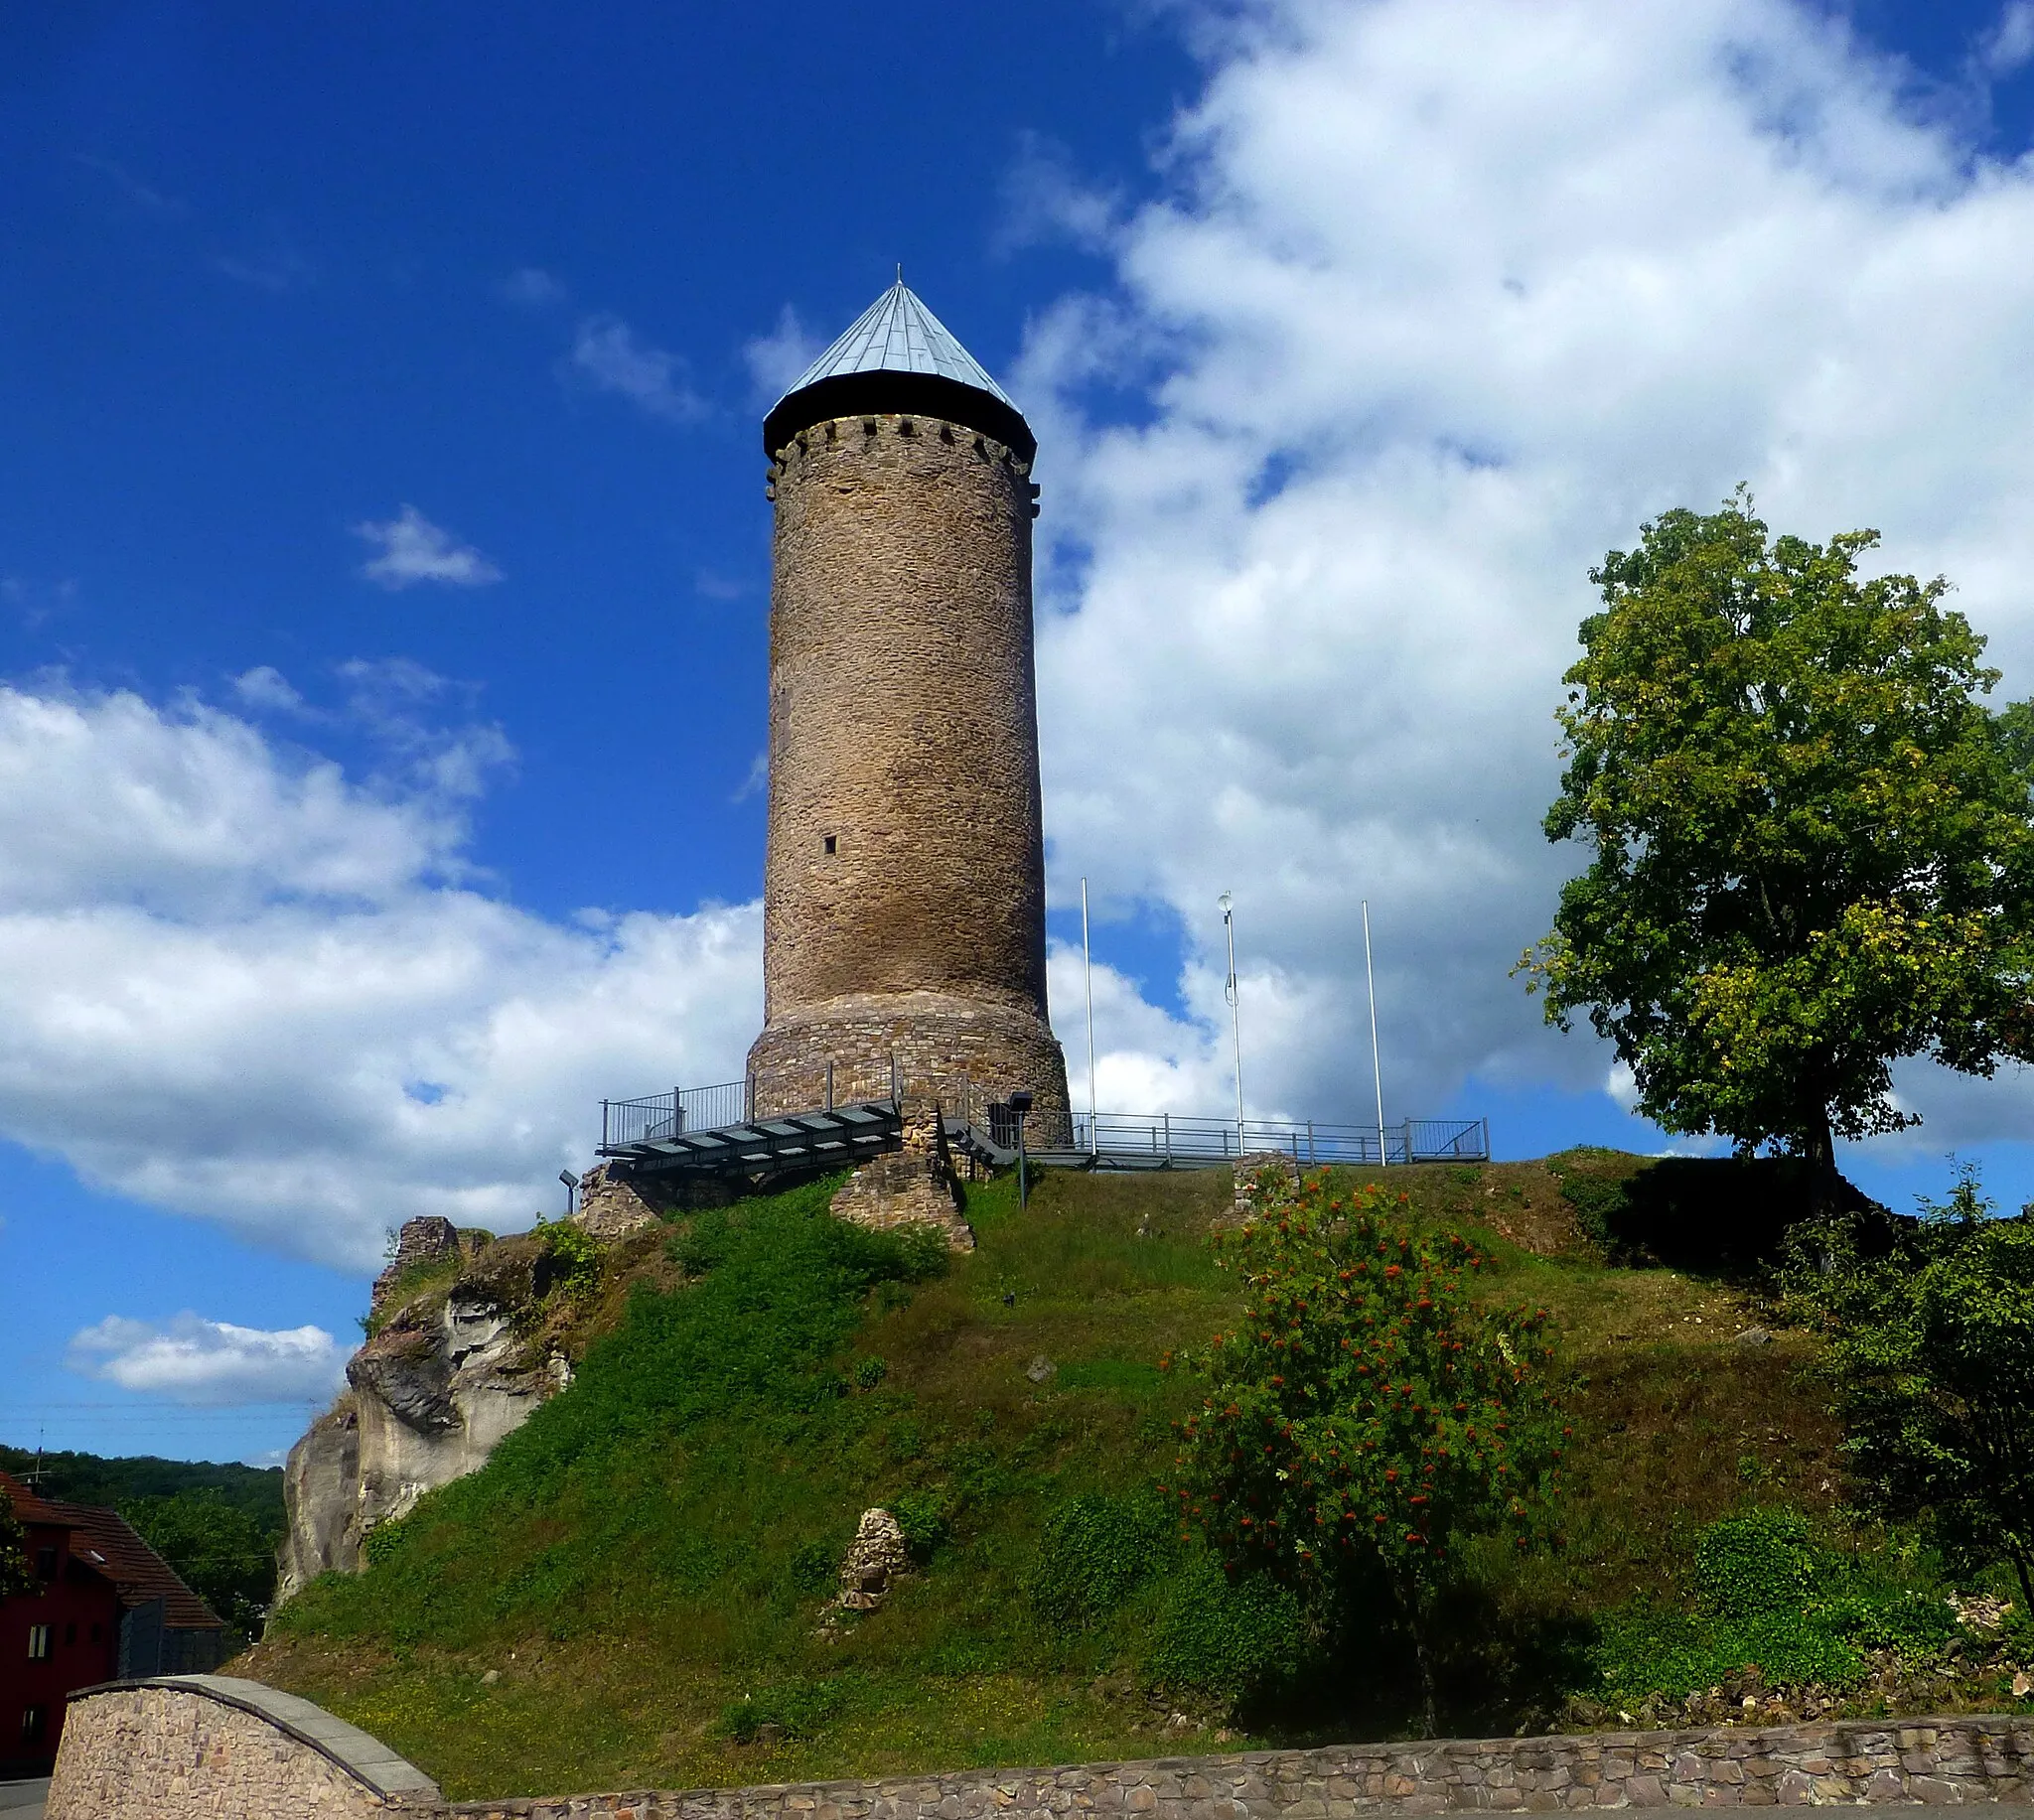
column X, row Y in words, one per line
column 1406, row 1597
column 1818, row 1150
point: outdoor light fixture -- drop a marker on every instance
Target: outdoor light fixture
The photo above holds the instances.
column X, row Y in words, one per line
column 571, row 1181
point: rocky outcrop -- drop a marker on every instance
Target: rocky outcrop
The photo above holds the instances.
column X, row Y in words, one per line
column 445, row 1376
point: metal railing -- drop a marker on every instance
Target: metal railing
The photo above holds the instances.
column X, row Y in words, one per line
column 1176, row 1137
column 1120, row 1138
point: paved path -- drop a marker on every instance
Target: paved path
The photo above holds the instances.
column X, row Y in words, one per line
column 24, row 1801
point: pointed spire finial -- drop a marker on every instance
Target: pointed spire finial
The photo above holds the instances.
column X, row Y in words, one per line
column 900, row 271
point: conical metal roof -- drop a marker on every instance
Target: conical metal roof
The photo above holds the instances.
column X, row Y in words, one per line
column 898, row 334
column 898, row 357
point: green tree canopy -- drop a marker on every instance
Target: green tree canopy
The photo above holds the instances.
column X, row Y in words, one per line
column 1812, row 851
column 218, row 1550
column 1366, row 1413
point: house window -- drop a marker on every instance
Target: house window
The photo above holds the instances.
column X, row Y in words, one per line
column 45, row 1563
column 31, row 1725
column 38, row 1642
column 70, row 1636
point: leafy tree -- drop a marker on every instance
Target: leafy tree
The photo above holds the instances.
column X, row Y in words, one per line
column 16, row 1575
column 1931, row 1327
column 218, row 1550
column 1812, row 851
column 1366, row 1415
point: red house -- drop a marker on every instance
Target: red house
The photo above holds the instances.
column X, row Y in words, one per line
column 109, row 1606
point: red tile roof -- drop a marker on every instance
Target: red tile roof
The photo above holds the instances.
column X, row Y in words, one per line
column 105, row 1541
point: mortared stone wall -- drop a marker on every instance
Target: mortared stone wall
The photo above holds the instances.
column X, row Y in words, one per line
column 903, row 882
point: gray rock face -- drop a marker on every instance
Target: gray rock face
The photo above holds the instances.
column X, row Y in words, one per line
column 429, row 1397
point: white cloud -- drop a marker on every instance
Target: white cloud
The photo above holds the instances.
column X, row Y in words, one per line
column 776, row 360
column 2009, row 45
column 218, row 987
column 190, row 1359
column 609, row 355
column 1442, row 299
column 267, row 688
column 413, row 550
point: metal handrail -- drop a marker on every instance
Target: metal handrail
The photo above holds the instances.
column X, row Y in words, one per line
column 1162, row 1136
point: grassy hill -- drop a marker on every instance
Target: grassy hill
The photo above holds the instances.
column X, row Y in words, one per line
column 631, row 1594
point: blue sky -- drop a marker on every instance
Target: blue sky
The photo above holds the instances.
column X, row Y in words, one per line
column 383, row 559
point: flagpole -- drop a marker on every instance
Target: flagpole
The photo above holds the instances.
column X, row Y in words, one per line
column 1087, row 969
column 1377, row 1066
column 1236, row 1019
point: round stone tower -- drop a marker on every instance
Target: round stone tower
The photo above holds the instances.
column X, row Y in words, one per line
column 903, row 888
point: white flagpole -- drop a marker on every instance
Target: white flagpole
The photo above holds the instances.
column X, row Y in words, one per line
column 1377, row 1066
column 1236, row 1019
column 1087, row 968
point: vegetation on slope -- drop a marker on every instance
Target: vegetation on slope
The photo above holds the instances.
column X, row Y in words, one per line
column 632, row 1592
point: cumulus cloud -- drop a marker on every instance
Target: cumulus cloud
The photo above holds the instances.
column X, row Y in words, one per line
column 611, row 356
column 266, row 688
column 776, row 360
column 413, row 550
column 221, row 986
column 1441, row 300
column 190, row 1359
column 2009, row 46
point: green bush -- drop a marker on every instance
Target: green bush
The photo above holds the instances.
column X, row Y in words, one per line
column 1093, row 1553
column 926, row 1517
column 575, row 1257
column 1235, row 1641
column 869, row 1372
column 1771, row 1593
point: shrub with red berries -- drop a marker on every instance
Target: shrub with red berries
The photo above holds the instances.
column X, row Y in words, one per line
column 1369, row 1410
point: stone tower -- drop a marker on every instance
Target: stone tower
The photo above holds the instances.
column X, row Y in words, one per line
column 903, row 889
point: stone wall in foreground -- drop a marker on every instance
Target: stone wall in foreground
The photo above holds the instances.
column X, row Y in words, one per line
column 181, row 1747
column 1939, row 1761
column 186, row 1747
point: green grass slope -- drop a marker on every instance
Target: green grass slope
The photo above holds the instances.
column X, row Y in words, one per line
column 632, row 1592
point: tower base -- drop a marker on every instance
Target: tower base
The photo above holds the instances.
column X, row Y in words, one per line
column 925, row 1043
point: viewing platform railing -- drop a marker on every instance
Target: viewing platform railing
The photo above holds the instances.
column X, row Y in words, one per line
column 987, row 1125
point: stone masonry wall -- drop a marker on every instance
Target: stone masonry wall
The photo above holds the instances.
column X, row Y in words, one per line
column 1938, row 1761
column 182, row 1747
column 906, row 849
column 937, row 1040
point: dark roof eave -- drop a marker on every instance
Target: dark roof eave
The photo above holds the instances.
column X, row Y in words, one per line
column 886, row 392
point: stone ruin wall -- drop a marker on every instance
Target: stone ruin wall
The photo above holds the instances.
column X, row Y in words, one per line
column 904, row 729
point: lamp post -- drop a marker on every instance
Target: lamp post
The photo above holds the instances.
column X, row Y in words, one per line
column 571, row 1183
column 1020, row 1103
column 1235, row 1024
